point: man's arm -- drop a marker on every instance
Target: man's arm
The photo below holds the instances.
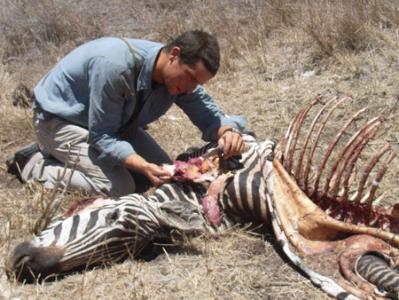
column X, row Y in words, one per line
column 105, row 115
column 205, row 113
column 107, row 105
column 209, row 118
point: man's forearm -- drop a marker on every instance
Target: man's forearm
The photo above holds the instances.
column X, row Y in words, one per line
column 135, row 163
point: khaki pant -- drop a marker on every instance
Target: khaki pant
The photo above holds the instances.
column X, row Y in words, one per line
column 67, row 158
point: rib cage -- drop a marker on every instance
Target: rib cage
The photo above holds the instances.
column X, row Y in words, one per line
column 330, row 185
column 345, row 210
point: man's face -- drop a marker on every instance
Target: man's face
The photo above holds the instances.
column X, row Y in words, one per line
column 181, row 78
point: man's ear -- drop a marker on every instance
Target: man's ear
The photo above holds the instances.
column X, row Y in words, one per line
column 174, row 53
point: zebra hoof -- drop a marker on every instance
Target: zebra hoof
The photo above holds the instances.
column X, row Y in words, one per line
column 30, row 264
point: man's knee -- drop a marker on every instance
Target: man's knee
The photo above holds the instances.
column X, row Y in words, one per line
column 116, row 182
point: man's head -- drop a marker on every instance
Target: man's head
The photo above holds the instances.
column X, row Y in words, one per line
column 197, row 46
column 192, row 59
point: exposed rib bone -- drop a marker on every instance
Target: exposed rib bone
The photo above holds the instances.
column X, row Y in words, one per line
column 353, row 160
column 282, row 145
column 332, row 146
column 313, row 148
column 292, row 150
column 288, row 139
column 378, row 200
column 367, row 171
column 343, row 211
column 289, row 153
column 351, row 157
column 373, row 122
column 377, row 180
column 293, row 139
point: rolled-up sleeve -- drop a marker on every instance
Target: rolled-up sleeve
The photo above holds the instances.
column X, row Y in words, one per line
column 107, row 102
column 206, row 114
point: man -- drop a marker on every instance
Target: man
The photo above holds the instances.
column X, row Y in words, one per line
column 90, row 110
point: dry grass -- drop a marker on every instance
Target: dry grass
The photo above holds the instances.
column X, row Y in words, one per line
column 277, row 55
column 27, row 25
column 349, row 25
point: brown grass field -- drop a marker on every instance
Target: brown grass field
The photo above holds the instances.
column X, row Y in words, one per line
column 276, row 56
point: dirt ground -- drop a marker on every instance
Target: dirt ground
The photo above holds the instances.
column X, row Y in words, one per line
column 276, row 56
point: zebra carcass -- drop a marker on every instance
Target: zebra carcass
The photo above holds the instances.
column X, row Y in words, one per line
column 316, row 205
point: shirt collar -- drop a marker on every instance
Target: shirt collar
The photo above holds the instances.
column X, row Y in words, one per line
column 144, row 81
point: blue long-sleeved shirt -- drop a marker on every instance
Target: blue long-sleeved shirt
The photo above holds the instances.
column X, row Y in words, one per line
column 94, row 87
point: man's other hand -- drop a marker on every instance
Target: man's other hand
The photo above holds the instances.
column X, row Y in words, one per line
column 231, row 141
column 156, row 174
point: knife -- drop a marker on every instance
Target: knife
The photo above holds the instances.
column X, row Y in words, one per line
column 213, row 152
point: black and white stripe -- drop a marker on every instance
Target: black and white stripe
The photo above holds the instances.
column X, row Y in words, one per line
column 114, row 229
column 375, row 268
column 244, row 197
column 121, row 228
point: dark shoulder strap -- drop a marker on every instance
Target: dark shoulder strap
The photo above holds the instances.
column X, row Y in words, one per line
column 130, row 128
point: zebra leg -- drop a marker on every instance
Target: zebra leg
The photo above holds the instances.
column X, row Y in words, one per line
column 365, row 263
column 375, row 267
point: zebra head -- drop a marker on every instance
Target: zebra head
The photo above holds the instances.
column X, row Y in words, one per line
column 105, row 231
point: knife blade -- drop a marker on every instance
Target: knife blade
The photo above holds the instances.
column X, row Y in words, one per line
column 213, row 152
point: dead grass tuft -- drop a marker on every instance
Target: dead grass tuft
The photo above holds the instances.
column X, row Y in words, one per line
column 25, row 25
column 6, row 84
column 351, row 26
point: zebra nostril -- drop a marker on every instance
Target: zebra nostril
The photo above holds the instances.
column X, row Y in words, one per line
column 115, row 215
column 112, row 217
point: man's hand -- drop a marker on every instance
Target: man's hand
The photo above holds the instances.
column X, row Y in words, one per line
column 231, row 141
column 156, row 174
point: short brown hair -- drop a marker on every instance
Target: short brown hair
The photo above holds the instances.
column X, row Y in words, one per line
column 197, row 45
